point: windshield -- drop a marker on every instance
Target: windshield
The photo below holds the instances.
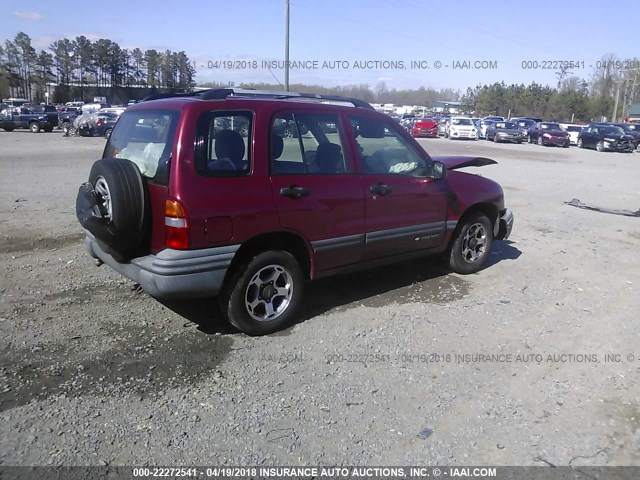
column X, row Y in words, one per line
column 146, row 138
column 505, row 125
column 550, row 126
column 461, row 121
column 612, row 131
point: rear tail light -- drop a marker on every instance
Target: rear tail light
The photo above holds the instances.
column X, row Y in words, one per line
column 176, row 225
column 99, row 123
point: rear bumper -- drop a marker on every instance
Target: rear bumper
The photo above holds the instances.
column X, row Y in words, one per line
column 504, row 225
column 173, row 273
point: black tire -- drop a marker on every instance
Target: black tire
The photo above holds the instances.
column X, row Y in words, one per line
column 34, row 127
column 243, row 284
column 461, row 253
column 566, row 145
column 540, row 141
column 600, row 146
column 107, row 133
column 48, row 129
column 126, row 226
column 495, row 139
column 519, row 142
column 580, row 144
column 8, row 129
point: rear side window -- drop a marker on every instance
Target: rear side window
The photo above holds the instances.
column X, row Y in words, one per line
column 222, row 143
column 307, row 144
column 146, row 138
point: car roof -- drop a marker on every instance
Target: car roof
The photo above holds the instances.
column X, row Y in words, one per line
column 233, row 96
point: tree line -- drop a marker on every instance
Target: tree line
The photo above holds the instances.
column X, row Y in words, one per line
column 79, row 62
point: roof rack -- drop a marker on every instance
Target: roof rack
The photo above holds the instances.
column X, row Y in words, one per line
column 222, row 93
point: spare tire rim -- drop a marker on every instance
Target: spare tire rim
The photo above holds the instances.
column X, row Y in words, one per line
column 102, row 189
column 269, row 293
column 474, row 243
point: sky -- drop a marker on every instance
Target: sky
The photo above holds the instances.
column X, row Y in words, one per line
column 455, row 44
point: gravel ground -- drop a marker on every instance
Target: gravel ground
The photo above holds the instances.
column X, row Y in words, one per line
column 93, row 373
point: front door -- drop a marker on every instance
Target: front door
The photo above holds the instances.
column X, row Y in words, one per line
column 405, row 210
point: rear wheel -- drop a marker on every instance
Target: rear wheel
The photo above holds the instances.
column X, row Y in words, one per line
column 264, row 294
column 580, row 144
column 540, row 141
column 600, row 146
column 472, row 244
column 495, row 139
column 107, row 134
column 34, row 127
column 48, row 129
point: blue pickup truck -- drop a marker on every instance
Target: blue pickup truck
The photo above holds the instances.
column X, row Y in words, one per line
column 23, row 117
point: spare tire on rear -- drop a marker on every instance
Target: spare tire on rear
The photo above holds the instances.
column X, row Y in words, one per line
column 114, row 207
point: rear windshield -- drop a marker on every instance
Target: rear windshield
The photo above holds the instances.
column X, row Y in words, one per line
column 146, row 138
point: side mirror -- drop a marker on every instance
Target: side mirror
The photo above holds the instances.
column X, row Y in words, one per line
column 438, row 170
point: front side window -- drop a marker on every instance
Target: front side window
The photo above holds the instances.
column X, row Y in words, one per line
column 307, row 144
column 222, row 144
column 382, row 150
column 146, row 138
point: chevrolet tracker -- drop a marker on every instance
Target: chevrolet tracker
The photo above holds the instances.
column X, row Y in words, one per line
column 203, row 194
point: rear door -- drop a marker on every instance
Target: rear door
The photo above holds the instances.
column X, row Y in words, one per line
column 405, row 210
column 316, row 190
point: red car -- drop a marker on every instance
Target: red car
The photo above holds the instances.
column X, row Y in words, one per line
column 425, row 127
column 186, row 206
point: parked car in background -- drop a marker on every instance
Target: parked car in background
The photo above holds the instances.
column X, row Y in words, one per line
column 425, row 127
column 12, row 118
column 49, row 111
column 105, row 122
column 461, row 127
column 605, row 138
column 67, row 117
column 443, row 125
column 252, row 220
column 501, row 132
column 573, row 130
column 494, row 119
column 524, row 124
column 484, row 124
column 549, row 133
column 406, row 120
column 630, row 129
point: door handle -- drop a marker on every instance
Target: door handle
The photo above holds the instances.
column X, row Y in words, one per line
column 294, row 191
column 380, row 189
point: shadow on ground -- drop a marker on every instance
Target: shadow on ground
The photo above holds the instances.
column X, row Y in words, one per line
column 426, row 280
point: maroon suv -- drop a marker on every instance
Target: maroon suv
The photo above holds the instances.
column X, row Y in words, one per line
column 205, row 194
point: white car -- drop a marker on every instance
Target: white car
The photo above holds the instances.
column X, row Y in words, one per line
column 484, row 124
column 462, row 127
column 574, row 130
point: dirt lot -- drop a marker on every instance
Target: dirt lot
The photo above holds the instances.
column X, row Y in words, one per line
column 94, row 373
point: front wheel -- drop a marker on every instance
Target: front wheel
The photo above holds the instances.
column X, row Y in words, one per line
column 107, row 134
column 540, row 142
column 495, row 139
column 471, row 245
column 600, row 146
column 580, row 144
column 265, row 293
column 34, row 127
